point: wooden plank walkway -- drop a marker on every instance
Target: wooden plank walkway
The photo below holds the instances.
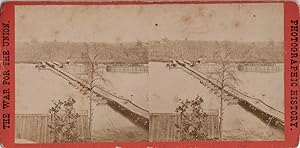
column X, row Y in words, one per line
column 124, row 106
column 265, row 112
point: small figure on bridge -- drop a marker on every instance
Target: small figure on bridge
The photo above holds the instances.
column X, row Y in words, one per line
column 131, row 96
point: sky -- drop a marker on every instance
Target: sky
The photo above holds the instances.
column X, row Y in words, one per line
column 126, row 23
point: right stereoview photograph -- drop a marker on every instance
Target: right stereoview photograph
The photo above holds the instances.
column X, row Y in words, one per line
column 216, row 73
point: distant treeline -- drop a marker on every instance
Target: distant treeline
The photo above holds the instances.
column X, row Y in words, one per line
column 62, row 51
column 142, row 52
column 192, row 50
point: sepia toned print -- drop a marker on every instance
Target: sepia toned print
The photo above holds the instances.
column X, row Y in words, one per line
column 173, row 72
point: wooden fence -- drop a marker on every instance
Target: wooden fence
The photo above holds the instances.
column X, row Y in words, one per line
column 127, row 69
column 247, row 67
column 259, row 68
column 162, row 126
column 34, row 127
column 79, row 69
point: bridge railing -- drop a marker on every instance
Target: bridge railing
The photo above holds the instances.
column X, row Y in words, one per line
column 104, row 92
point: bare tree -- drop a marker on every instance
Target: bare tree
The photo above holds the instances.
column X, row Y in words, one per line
column 94, row 77
column 225, row 76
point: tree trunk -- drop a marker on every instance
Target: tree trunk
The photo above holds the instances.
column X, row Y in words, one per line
column 90, row 115
column 221, row 114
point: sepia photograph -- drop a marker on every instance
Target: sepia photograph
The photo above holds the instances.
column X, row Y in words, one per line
column 77, row 78
column 149, row 73
column 217, row 74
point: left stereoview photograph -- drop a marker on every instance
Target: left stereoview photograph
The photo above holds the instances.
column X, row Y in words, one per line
column 80, row 75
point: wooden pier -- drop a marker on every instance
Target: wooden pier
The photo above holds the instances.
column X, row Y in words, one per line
column 259, row 108
column 130, row 110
